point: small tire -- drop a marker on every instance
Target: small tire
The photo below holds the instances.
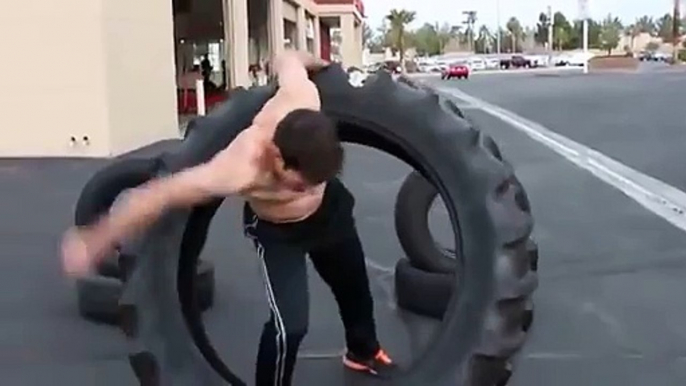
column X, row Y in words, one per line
column 412, row 206
column 98, row 298
column 98, row 295
column 428, row 294
column 489, row 371
column 109, row 267
column 422, row 293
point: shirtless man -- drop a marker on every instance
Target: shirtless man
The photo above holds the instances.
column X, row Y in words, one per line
column 285, row 166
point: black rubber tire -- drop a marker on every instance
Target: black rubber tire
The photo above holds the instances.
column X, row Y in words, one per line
column 190, row 127
column 414, row 200
column 102, row 190
column 445, row 102
column 109, row 267
column 422, row 293
column 450, row 105
column 395, row 118
column 426, row 293
column 414, row 286
column 98, row 296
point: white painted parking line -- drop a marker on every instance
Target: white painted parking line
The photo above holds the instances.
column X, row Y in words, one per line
column 660, row 198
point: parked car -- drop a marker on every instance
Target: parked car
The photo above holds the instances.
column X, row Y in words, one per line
column 458, row 70
column 477, row 64
column 492, row 63
column 648, row 56
column 516, row 61
column 573, row 59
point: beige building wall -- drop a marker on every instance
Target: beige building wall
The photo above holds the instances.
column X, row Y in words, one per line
column 350, row 22
column 104, row 72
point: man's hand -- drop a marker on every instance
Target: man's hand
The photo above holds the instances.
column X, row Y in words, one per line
column 81, row 249
column 311, row 62
column 305, row 58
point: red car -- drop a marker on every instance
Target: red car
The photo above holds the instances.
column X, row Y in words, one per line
column 456, row 70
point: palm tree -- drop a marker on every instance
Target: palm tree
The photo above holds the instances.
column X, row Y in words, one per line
column 446, row 33
column 515, row 29
column 471, row 20
column 645, row 24
column 398, row 20
column 634, row 30
column 485, row 40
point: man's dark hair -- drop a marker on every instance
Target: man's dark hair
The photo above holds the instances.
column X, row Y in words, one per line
column 309, row 143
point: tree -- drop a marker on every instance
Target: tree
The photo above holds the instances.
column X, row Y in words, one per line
column 372, row 41
column 484, row 41
column 471, row 20
column 632, row 32
column 562, row 31
column 367, row 34
column 514, row 27
column 676, row 24
column 575, row 37
column 611, row 29
column 664, row 27
column 431, row 39
column 426, row 40
column 645, row 24
column 398, row 20
column 446, row 33
column 541, row 34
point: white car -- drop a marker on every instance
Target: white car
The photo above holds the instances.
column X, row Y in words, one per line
column 492, row 63
column 573, row 59
column 579, row 58
column 476, row 64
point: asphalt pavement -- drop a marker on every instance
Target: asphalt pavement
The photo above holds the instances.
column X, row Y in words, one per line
column 637, row 118
column 610, row 309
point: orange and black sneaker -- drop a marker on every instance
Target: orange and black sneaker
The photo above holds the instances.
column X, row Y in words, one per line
column 379, row 365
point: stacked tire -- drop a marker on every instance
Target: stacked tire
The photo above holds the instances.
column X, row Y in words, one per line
column 98, row 294
column 425, row 280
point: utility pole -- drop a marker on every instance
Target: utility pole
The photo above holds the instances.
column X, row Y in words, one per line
column 583, row 8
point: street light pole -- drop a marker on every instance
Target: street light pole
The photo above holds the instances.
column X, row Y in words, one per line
column 586, row 46
column 583, row 7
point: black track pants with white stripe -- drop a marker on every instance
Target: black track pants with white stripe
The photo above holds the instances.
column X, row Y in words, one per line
column 341, row 265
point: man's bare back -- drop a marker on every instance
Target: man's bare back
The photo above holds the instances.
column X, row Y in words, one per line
column 275, row 201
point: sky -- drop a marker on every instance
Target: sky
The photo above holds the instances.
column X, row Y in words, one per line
column 526, row 11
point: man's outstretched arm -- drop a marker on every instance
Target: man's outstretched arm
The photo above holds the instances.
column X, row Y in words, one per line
column 291, row 68
column 144, row 205
column 230, row 172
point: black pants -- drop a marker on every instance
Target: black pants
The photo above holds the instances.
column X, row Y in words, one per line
column 330, row 239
